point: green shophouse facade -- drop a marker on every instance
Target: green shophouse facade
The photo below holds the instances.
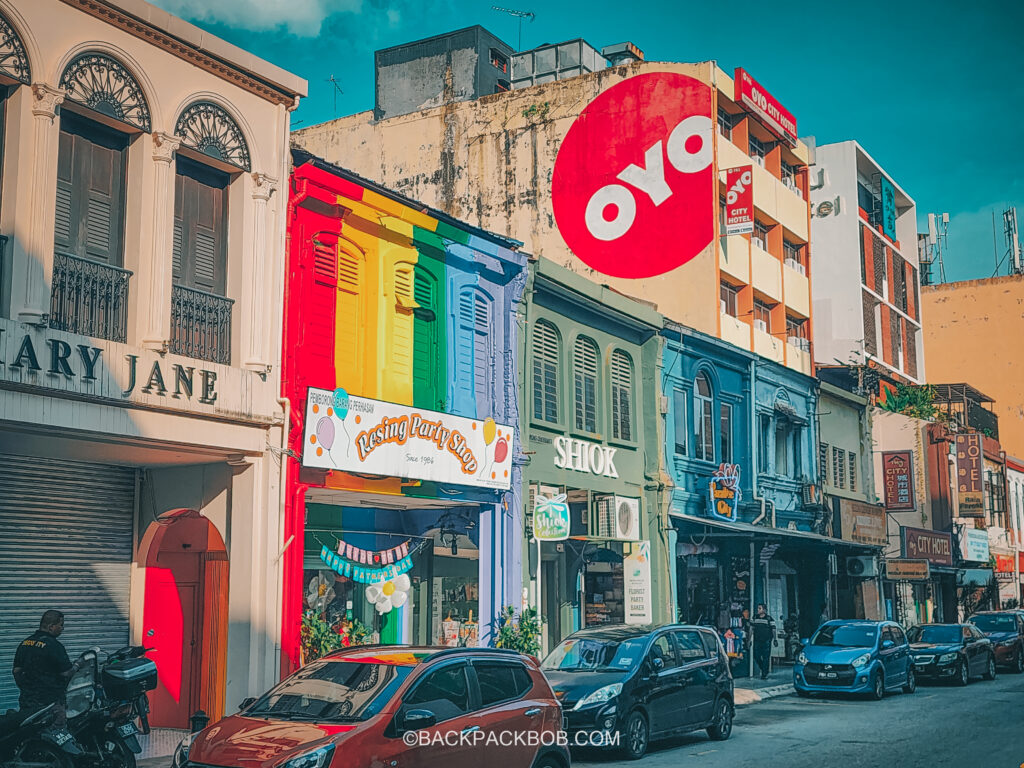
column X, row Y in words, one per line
column 590, row 432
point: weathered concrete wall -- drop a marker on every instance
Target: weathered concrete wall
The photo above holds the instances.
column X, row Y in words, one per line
column 972, row 333
column 490, row 162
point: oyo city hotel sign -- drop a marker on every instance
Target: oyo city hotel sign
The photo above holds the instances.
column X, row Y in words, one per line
column 584, row 456
column 632, row 188
column 752, row 95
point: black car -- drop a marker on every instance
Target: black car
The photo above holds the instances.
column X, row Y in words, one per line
column 955, row 652
column 624, row 685
column 1006, row 631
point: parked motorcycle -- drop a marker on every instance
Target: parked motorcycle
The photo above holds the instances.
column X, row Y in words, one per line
column 26, row 741
column 791, row 627
column 104, row 700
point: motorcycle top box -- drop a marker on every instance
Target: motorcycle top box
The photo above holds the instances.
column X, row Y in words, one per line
column 129, row 679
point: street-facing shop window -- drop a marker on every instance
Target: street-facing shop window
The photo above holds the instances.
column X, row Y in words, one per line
column 703, row 419
column 679, row 420
column 546, row 354
column 585, row 383
column 622, row 396
column 725, row 427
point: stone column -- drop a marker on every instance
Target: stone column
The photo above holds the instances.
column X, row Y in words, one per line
column 161, row 265
column 35, row 300
column 256, row 356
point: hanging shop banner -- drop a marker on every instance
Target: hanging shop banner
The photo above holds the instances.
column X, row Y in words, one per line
column 907, row 570
column 888, row 208
column 898, row 479
column 739, row 200
column 863, row 523
column 355, row 434
column 921, row 544
column 636, row 572
column 724, row 492
column 361, row 573
column 371, row 557
column 970, row 493
column 975, row 543
column 776, row 118
column 551, row 518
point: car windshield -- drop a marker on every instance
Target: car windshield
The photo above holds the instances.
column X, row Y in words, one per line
column 846, row 636
column 994, row 623
column 332, row 691
column 934, row 634
column 596, row 653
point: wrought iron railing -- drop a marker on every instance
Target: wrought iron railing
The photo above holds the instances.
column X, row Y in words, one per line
column 89, row 298
column 200, row 325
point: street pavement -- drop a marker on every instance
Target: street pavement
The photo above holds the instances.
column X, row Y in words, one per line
column 981, row 725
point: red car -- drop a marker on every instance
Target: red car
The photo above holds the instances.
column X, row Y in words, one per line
column 402, row 706
column 1006, row 631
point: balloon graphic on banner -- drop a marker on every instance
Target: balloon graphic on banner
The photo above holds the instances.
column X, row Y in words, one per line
column 325, row 432
column 489, row 430
column 341, row 403
column 501, row 450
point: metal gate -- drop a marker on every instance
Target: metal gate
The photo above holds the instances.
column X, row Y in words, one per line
column 65, row 543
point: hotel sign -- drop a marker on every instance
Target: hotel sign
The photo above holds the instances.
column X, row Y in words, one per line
column 933, row 546
column 752, row 95
column 898, row 480
column 970, row 495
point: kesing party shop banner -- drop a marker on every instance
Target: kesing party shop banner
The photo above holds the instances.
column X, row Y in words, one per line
column 356, row 434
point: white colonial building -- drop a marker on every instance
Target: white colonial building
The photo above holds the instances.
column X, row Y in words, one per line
column 142, row 214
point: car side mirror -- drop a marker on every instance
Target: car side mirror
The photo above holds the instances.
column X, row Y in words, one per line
column 417, row 719
column 805, row 641
column 887, row 644
column 246, row 703
column 657, row 664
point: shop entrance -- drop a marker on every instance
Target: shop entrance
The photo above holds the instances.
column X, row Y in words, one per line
column 185, row 616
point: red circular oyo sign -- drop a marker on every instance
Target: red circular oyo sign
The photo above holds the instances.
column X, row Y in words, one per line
column 632, row 187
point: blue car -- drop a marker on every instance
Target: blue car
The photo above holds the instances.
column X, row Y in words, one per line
column 869, row 657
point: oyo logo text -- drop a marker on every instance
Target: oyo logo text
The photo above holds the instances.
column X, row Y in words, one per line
column 632, row 187
column 741, row 185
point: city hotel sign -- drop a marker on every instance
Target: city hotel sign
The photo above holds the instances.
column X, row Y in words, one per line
column 934, row 546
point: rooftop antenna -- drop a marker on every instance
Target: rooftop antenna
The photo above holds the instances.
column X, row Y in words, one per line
column 931, row 247
column 1012, row 237
column 520, row 15
column 337, row 90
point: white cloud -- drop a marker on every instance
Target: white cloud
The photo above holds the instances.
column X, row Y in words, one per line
column 303, row 18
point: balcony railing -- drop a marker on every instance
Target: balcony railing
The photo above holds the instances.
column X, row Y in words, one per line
column 89, row 298
column 200, row 325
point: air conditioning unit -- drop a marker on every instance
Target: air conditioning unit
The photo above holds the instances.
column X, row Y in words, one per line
column 624, row 523
column 761, row 325
column 721, row 303
column 862, row 566
column 758, row 242
column 811, row 495
column 758, row 160
column 796, row 265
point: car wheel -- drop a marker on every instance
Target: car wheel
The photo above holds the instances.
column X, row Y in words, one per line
column 721, row 727
column 963, row 675
column 990, row 669
column 1018, row 665
column 911, row 685
column 878, row 686
column 635, row 736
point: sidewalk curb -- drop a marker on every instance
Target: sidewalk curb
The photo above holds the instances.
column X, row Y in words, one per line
column 744, row 697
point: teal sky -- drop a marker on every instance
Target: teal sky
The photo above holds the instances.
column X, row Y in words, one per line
column 934, row 91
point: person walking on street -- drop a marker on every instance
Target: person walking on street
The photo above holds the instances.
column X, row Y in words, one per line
column 763, row 627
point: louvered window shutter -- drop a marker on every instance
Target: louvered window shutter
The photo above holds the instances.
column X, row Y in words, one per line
column 482, row 357
column 622, row 395
column 62, row 230
column 464, row 344
column 199, row 249
column 402, row 331
column 426, row 362
column 585, row 376
column 545, row 372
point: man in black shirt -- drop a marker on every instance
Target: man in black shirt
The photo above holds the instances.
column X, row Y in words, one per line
column 42, row 668
column 763, row 628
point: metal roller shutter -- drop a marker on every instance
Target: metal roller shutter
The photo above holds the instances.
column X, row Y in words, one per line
column 65, row 543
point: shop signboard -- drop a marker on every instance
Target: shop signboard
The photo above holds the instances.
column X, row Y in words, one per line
column 1004, row 568
column 633, row 187
column 724, row 492
column 898, row 480
column 970, row 493
column 934, row 546
column 975, row 543
column 739, row 200
column 777, row 118
column 551, row 520
column 863, row 523
column 356, row 434
column 888, row 208
column 636, row 574
column 907, row 570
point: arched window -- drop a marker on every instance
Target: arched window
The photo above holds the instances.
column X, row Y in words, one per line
column 209, row 130
column 584, row 363
column 703, row 419
column 622, row 396
column 546, row 356
column 13, row 61
column 475, row 347
column 102, row 84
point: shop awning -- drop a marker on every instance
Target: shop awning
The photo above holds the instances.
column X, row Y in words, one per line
column 767, row 532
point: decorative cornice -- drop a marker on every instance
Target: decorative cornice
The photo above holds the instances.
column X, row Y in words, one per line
column 264, row 186
column 164, row 146
column 182, row 50
column 46, row 100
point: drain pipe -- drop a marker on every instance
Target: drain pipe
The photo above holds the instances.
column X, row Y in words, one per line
column 286, row 407
column 755, row 459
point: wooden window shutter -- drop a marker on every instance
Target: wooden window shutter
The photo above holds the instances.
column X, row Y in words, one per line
column 426, row 362
column 622, row 395
column 199, row 250
column 349, row 306
column 585, row 375
column 402, row 330
column 63, row 238
column 545, row 372
column 482, row 357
